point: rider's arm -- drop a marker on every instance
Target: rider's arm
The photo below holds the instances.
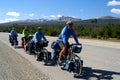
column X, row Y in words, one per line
column 74, row 36
column 44, row 37
column 35, row 37
column 16, row 32
column 23, row 33
column 11, row 32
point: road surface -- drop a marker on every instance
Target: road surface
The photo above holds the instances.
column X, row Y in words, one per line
column 15, row 67
column 101, row 62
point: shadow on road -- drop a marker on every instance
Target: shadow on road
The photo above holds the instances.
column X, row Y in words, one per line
column 99, row 74
column 19, row 47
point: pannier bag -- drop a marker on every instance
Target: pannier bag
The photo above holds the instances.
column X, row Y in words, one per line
column 69, row 65
column 76, row 48
column 58, row 44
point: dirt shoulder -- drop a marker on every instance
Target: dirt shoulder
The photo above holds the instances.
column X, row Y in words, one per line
column 101, row 43
column 14, row 67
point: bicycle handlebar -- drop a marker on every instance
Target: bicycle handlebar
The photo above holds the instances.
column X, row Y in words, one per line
column 75, row 44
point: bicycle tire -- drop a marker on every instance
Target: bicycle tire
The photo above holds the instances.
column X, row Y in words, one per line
column 79, row 69
column 45, row 55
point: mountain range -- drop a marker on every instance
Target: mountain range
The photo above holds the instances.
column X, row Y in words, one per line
column 103, row 19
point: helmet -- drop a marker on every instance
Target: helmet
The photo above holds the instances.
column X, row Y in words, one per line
column 39, row 28
column 13, row 28
column 69, row 23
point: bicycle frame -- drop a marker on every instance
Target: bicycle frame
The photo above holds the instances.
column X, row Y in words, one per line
column 73, row 57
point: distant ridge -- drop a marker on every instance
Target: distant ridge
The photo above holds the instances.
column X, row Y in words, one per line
column 103, row 19
column 63, row 18
column 108, row 17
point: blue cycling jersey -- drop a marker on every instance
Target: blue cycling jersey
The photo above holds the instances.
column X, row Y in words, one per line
column 66, row 33
column 38, row 37
column 13, row 33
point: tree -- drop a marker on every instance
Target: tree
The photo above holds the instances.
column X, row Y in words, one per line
column 94, row 21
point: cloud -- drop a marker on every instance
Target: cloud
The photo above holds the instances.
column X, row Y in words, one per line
column 55, row 16
column 115, row 11
column 59, row 15
column 73, row 16
column 113, row 3
column 45, row 17
column 31, row 15
column 52, row 16
column 8, row 20
column 15, row 14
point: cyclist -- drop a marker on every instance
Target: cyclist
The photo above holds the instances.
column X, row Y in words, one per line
column 13, row 33
column 66, row 32
column 55, row 51
column 25, row 33
column 37, row 39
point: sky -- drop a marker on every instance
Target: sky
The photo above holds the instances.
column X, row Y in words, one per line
column 12, row 10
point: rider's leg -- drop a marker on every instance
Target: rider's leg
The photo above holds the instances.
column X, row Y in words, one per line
column 36, row 46
column 65, row 50
column 12, row 42
column 53, row 57
column 62, row 52
column 53, row 54
column 68, row 56
column 22, row 41
column 16, row 40
column 10, row 38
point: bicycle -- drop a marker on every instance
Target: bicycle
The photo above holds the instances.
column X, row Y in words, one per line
column 25, row 40
column 72, row 62
column 13, row 40
column 42, row 53
column 78, row 63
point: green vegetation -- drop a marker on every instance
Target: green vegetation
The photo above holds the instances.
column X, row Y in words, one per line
column 92, row 30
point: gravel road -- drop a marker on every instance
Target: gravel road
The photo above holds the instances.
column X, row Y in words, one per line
column 101, row 62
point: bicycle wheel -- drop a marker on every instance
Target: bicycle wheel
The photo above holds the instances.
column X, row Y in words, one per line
column 39, row 56
column 15, row 44
column 45, row 56
column 30, row 49
column 78, row 66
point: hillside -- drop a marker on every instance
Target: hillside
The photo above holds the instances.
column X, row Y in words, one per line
column 103, row 19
